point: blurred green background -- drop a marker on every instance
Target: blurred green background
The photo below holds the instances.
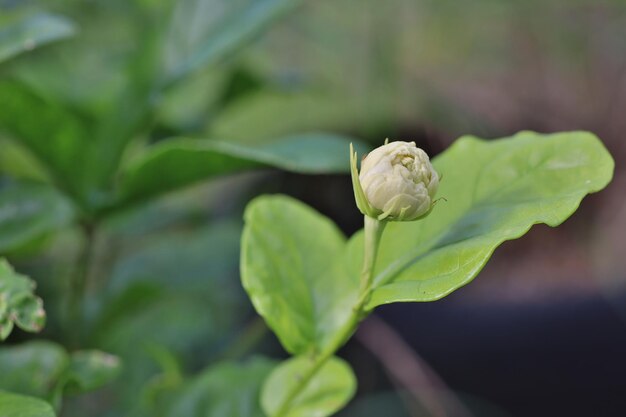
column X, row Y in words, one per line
column 133, row 132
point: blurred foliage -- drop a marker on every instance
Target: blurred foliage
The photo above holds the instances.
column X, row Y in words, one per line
column 89, row 138
column 44, row 369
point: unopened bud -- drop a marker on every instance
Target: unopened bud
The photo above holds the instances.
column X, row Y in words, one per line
column 397, row 182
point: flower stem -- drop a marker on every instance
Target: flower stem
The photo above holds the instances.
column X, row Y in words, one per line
column 373, row 232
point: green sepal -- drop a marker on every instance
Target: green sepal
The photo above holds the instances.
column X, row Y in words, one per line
column 359, row 196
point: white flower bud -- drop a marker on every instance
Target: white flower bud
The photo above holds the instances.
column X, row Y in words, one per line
column 398, row 182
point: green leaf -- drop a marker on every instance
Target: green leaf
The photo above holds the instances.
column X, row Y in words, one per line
column 18, row 304
column 90, row 369
column 269, row 113
column 204, row 31
column 14, row 405
column 330, row 388
column 57, row 136
column 29, row 212
column 495, row 191
column 45, row 370
column 29, row 32
column 224, row 390
column 32, row 368
column 179, row 162
column 292, row 267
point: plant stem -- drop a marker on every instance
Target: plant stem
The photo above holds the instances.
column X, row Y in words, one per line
column 373, row 232
column 78, row 283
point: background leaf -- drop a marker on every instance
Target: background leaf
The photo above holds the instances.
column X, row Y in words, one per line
column 56, row 135
column 91, row 369
column 193, row 273
column 193, row 42
column 46, row 370
column 18, row 304
column 332, row 386
column 14, row 405
column 293, row 269
column 28, row 32
column 29, row 212
column 224, row 390
column 495, row 191
column 191, row 270
column 32, row 368
column 180, row 162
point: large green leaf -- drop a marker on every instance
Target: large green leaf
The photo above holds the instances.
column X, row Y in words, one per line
column 55, row 134
column 28, row 32
column 224, row 390
column 179, row 162
column 204, row 31
column 14, row 405
column 268, row 113
column 292, row 267
column 18, row 304
column 328, row 390
column 495, row 191
column 28, row 212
